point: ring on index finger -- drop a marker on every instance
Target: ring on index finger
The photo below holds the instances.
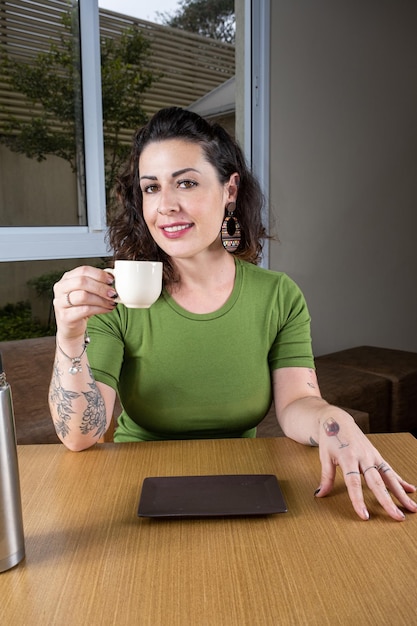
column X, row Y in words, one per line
column 383, row 467
column 67, row 296
column 370, row 467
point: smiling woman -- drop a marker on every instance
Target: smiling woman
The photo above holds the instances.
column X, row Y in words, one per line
column 185, row 173
column 224, row 336
column 185, row 203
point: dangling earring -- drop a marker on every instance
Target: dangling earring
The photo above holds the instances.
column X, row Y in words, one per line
column 231, row 232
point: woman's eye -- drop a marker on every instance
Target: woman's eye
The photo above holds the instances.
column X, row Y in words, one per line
column 187, row 184
column 150, row 189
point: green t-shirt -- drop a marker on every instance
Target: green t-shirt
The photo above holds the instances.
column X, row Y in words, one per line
column 181, row 375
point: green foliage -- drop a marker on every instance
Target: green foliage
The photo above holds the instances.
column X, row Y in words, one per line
column 51, row 84
column 210, row 18
column 16, row 322
column 43, row 285
column 35, row 140
column 124, row 79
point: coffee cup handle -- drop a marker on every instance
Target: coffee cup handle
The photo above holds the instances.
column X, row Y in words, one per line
column 110, row 271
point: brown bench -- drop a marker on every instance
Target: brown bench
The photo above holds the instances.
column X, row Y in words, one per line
column 397, row 368
column 28, row 366
column 377, row 386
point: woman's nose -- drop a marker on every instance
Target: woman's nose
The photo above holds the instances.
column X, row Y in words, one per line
column 167, row 202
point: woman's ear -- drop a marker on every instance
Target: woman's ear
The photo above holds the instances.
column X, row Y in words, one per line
column 233, row 187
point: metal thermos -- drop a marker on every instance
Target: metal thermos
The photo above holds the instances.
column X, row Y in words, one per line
column 12, row 543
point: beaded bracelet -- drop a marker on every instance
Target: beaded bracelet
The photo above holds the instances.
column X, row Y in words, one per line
column 76, row 360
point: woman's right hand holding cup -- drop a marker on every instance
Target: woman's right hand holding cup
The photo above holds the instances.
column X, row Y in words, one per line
column 81, row 293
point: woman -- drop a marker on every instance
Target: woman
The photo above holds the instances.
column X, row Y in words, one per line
column 224, row 337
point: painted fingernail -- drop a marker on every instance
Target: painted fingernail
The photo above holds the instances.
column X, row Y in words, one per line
column 317, row 491
column 366, row 513
column 112, row 293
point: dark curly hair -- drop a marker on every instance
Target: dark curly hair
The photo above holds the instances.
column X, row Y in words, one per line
column 128, row 233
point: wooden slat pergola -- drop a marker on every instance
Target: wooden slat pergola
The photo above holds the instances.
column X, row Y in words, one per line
column 188, row 65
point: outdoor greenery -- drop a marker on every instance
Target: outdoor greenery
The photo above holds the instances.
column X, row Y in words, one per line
column 43, row 285
column 17, row 322
column 210, row 18
column 51, row 86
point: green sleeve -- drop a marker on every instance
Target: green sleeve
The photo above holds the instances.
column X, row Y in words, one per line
column 292, row 345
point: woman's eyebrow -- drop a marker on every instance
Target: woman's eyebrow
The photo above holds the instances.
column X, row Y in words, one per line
column 174, row 174
column 183, row 171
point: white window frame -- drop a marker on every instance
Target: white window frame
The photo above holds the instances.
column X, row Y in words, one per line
column 257, row 99
column 66, row 242
column 43, row 243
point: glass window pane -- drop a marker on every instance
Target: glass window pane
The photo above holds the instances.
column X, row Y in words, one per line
column 147, row 66
column 41, row 139
column 187, row 70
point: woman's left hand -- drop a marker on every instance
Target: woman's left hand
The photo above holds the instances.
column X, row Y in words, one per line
column 357, row 458
column 306, row 417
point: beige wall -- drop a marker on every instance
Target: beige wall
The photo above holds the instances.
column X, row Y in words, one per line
column 36, row 194
column 343, row 166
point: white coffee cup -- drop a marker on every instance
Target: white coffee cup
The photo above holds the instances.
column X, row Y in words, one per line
column 138, row 283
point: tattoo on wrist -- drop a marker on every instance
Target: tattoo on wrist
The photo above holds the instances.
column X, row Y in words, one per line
column 332, row 428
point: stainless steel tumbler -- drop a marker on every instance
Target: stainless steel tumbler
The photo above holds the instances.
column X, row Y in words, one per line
column 12, row 543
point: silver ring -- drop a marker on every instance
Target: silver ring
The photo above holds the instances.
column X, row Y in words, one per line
column 368, row 468
column 67, row 295
column 383, row 467
column 353, row 472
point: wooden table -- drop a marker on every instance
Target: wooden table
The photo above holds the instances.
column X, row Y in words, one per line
column 90, row 560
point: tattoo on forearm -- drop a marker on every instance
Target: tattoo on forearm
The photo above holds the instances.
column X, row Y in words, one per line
column 62, row 399
column 94, row 416
column 331, row 428
column 310, row 384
